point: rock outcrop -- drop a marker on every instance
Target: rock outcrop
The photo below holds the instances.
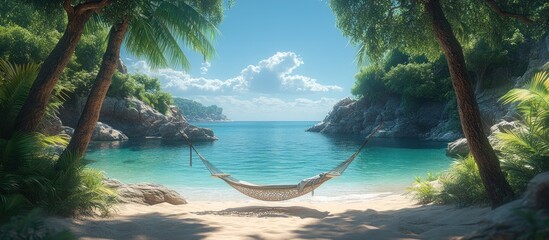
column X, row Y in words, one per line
column 144, row 193
column 525, row 218
column 137, row 120
column 461, row 148
column 361, row 116
column 104, row 132
column 430, row 120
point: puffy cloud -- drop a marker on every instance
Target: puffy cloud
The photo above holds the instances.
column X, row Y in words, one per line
column 271, row 75
column 205, row 67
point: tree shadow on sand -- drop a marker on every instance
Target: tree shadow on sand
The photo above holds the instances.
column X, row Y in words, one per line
column 145, row 226
column 264, row 211
column 424, row 222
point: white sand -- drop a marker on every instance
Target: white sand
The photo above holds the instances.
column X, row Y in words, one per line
column 382, row 217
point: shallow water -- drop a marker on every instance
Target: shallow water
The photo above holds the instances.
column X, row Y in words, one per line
column 271, row 153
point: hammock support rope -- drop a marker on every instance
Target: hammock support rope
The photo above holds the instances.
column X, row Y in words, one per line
column 278, row 192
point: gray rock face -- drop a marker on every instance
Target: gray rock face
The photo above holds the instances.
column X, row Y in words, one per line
column 460, row 148
column 430, row 120
column 104, row 132
column 137, row 119
column 50, row 125
column 145, row 193
column 510, row 221
column 361, row 116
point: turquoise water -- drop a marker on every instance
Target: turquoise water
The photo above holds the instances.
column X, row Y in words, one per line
column 271, row 153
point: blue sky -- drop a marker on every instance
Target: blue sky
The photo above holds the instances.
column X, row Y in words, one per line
column 276, row 60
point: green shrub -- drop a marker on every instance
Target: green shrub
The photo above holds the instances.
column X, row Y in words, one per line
column 460, row 185
column 416, row 80
column 369, row 83
column 525, row 151
column 142, row 87
column 424, row 190
column 31, row 174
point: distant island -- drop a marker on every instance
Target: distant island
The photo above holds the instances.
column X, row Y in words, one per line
column 196, row 112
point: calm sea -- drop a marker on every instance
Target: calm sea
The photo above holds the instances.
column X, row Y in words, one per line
column 271, row 153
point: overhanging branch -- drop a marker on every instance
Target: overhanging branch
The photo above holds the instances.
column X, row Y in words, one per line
column 91, row 5
column 67, row 5
column 494, row 6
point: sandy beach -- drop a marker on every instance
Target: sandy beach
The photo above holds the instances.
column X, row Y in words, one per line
column 391, row 216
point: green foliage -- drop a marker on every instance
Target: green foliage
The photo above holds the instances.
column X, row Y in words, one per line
column 417, row 80
column 460, row 185
column 369, row 83
column 15, row 83
column 158, row 27
column 525, row 151
column 31, row 175
column 19, row 45
column 413, row 78
column 380, row 26
column 483, row 58
column 195, row 111
column 142, row 87
column 424, row 190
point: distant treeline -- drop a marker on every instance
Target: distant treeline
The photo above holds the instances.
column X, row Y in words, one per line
column 196, row 112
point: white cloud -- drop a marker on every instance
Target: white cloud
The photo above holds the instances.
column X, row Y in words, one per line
column 271, row 75
column 205, row 67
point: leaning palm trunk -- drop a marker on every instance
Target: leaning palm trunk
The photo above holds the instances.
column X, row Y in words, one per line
column 88, row 119
column 35, row 106
column 497, row 188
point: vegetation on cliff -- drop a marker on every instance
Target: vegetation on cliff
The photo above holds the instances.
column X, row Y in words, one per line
column 196, row 112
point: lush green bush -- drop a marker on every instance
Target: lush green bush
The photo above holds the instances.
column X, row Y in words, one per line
column 525, row 151
column 31, row 173
column 416, row 80
column 460, row 185
column 142, row 87
column 369, row 83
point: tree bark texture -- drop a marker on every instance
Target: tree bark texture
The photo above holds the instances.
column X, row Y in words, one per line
column 497, row 187
column 35, row 106
column 89, row 117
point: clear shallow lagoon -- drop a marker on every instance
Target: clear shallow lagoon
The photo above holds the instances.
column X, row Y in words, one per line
column 271, row 153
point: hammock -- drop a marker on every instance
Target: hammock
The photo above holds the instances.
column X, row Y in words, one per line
column 279, row 192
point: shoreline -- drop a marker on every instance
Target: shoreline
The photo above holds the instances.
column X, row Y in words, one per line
column 391, row 216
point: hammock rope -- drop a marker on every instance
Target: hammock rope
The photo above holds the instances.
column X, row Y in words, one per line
column 278, row 192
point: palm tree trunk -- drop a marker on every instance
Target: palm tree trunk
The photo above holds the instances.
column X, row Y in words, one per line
column 35, row 105
column 88, row 119
column 496, row 185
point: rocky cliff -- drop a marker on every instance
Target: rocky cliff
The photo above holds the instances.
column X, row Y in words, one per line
column 136, row 119
column 429, row 120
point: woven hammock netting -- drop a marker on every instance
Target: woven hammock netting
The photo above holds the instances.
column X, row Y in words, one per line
column 280, row 192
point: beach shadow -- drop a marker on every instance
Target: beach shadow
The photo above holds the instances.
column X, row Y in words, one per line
column 145, row 226
column 268, row 212
column 423, row 222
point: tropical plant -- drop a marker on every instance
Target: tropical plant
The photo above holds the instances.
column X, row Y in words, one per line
column 153, row 29
column 460, row 185
column 525, row 150
column 29, row 174
column 426, row 27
